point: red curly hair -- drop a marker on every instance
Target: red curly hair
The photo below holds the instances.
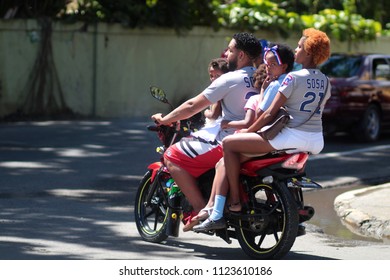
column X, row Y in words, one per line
column 317, row 44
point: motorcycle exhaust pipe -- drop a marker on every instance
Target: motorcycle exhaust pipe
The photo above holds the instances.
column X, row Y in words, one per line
column 306, row 213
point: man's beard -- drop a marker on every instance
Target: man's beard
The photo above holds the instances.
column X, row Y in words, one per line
column 232, row 65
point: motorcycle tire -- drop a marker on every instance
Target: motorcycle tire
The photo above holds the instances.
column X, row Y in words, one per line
column 151, row 217
column 272, row 235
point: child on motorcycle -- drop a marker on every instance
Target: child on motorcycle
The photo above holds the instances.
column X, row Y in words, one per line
column 216, row 68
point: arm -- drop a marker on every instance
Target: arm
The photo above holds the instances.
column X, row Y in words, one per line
column 245, row 123
column 263, row 88
column 269, row 114
column 184, row 111
column 214, row 112
column 269, row 79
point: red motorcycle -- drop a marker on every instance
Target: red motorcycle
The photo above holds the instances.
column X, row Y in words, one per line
column 271, row 196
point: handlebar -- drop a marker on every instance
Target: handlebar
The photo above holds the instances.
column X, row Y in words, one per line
column 152, row 128
column 170, row 134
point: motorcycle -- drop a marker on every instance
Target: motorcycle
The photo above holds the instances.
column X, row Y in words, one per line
column 271, row 196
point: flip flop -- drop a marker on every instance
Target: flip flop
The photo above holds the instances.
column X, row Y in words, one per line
column 235, row 207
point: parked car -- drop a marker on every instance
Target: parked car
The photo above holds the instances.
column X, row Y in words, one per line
column 360, row 100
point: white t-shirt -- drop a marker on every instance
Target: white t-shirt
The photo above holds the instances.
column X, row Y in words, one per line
column 233, row 89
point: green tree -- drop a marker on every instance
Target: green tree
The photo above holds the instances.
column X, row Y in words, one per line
column 343, row 25
column 280, row 15
column 377, row 10
column 344, row 20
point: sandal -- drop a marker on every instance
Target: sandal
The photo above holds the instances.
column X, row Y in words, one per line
column 204, row 213
column 194, row 219
column 235, row 207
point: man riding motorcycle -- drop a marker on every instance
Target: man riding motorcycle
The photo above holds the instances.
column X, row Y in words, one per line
column 192, row 156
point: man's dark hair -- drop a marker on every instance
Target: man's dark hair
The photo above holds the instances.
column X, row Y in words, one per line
column 286, row 54
column 248, row 43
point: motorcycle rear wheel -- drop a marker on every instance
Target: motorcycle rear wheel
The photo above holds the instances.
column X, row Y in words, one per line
column 272, row 236
column 151, row 216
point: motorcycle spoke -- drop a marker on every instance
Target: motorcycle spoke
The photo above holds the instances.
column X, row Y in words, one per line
column 156, row 212
column 149, row 214
column 261, row 240
column 155, row 222
column 276, row 236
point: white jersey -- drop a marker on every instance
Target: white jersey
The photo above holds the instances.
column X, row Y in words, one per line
column 233, row 89
column 304, row 90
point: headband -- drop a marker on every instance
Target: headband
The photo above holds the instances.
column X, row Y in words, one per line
column 274, row 51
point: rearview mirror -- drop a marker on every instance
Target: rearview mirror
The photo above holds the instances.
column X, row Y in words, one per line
column 159, row 94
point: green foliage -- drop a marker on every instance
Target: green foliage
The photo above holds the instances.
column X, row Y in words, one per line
column 386, row 31
column 255, row 15
column 343, row 26
column 339, row 18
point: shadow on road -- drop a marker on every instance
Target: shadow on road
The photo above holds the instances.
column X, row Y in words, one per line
column 68, row 185
column 67, row 192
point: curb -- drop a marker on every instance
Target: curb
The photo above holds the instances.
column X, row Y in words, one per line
column 364, row 211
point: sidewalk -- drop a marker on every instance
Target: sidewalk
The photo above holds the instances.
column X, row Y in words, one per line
column 366, row 211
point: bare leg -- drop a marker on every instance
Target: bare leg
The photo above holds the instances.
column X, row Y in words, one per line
column 221, row 188
column 210, row 202
column 227, row 174
column 220, row 183
column 187, row 184
column 233, row 147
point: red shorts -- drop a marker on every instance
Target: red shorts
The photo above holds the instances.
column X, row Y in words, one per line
column 195, row 155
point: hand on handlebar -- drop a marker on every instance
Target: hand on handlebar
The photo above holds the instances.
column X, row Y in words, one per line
column 158, row 119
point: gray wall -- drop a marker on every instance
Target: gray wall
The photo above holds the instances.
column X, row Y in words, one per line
column 107, row 70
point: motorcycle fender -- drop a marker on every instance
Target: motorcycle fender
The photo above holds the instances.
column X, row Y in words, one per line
column 155, row 167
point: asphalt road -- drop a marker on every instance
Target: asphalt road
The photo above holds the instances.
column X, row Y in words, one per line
column 67, row 191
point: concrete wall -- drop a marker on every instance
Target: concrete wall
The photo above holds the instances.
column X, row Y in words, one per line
column 106, row 70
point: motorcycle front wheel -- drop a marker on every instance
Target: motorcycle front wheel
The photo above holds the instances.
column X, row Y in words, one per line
column 151, row 216
column 271, row 235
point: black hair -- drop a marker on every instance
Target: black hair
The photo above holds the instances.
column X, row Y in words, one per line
column 248, row 43
column 286, row 54
column 219, row 63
